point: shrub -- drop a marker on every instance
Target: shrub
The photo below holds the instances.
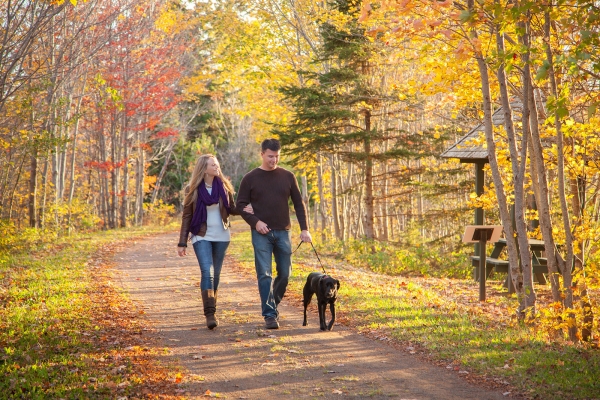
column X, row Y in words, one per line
column 423, row 259
column 159, row 214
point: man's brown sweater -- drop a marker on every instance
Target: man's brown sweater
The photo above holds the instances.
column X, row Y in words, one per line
column 268, row 192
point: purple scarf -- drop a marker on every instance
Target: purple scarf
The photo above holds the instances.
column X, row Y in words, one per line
column 207, row 199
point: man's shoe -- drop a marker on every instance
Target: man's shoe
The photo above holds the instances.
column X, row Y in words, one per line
column 271, row 323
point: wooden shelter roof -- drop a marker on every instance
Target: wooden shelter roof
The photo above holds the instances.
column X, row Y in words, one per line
column 465, row 150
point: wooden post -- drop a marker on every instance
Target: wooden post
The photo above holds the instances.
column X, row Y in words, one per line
column 481, row 234
column 479, row 184
column 482, row 261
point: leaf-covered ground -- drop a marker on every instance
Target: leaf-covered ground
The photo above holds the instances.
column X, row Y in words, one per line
column 68, row 332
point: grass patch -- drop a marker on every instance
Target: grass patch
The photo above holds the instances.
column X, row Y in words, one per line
column 65, row 331
column 480, row 338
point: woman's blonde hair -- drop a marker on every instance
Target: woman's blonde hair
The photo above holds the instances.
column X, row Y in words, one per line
column 198, row 175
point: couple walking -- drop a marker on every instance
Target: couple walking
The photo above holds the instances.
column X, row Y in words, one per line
column 263, row 203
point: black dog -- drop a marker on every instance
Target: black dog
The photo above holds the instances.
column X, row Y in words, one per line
column 326, row 289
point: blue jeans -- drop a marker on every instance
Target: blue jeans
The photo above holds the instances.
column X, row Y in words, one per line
column 276, row 243
column 210, row 256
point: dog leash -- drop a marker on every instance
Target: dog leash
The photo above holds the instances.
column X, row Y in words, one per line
column 316, row 254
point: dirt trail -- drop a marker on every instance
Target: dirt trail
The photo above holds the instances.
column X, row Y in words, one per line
column 242, row 360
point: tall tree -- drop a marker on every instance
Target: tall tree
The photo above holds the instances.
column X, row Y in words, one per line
column 338, row 110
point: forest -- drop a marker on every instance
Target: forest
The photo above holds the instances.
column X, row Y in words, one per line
column 105, row 105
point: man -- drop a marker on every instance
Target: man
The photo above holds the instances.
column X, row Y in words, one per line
column 268, row 188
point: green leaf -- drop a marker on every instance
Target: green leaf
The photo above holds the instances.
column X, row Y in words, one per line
column 562, row 112
column 465, row 16
column 591, row 110
column 586, row 34
column 542, row 72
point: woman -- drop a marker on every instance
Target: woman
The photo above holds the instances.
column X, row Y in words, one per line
column 206, row 208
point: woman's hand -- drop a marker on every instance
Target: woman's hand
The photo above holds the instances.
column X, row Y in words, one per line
column 181, row 251
column 248, row 209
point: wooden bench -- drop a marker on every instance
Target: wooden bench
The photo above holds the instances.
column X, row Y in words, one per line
column 493, row 264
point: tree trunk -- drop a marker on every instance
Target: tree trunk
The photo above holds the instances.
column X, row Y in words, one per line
column 334, row 198
column 321, row 196
column 139, row 184
column 305, row 198
column 518, row 173
column 126, row 147
column 513, row 256
column 543, row 199
column 33, row 223
column 44, row 191
column 562, row 194
column 384, row 202
column 124, row 212
column 114, row 174
column 12, row 195
column 74, row 156
column 162, row 172
column 369, row 232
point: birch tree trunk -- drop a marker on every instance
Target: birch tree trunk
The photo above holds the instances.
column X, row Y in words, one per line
column 334, row 198
column 126, row 146
column 139, row 177
column 384, row 199
column 369, row 232
column 12, row 195
column 562, row 194
column 305, row 198
column 518, row 173
column 513, row 256
column 162, row 171
column 114, row 173
column 322, row 203
column 44, row 191
column 74, row 148
column 543, row 199
column 33, row 223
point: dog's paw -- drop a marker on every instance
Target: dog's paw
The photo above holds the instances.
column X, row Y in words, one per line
column 329, row 328
column 305, row 324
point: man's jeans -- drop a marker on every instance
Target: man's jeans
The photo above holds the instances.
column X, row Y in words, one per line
column 210, row 256
column 276, row 243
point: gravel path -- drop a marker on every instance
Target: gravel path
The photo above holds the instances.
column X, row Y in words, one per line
column 242, row 360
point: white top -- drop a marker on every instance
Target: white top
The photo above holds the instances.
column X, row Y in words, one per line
column 215, row 231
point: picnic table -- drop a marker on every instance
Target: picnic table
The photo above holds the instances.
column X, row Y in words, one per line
column 495, row 264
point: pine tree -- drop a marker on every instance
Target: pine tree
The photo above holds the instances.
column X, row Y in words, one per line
column 339, row 109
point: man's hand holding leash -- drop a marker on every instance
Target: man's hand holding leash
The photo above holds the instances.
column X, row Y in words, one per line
column 305, row 236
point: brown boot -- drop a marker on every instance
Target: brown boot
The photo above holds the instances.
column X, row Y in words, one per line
column 209, row 302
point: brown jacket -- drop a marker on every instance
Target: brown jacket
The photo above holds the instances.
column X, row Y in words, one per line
column 188, row 212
